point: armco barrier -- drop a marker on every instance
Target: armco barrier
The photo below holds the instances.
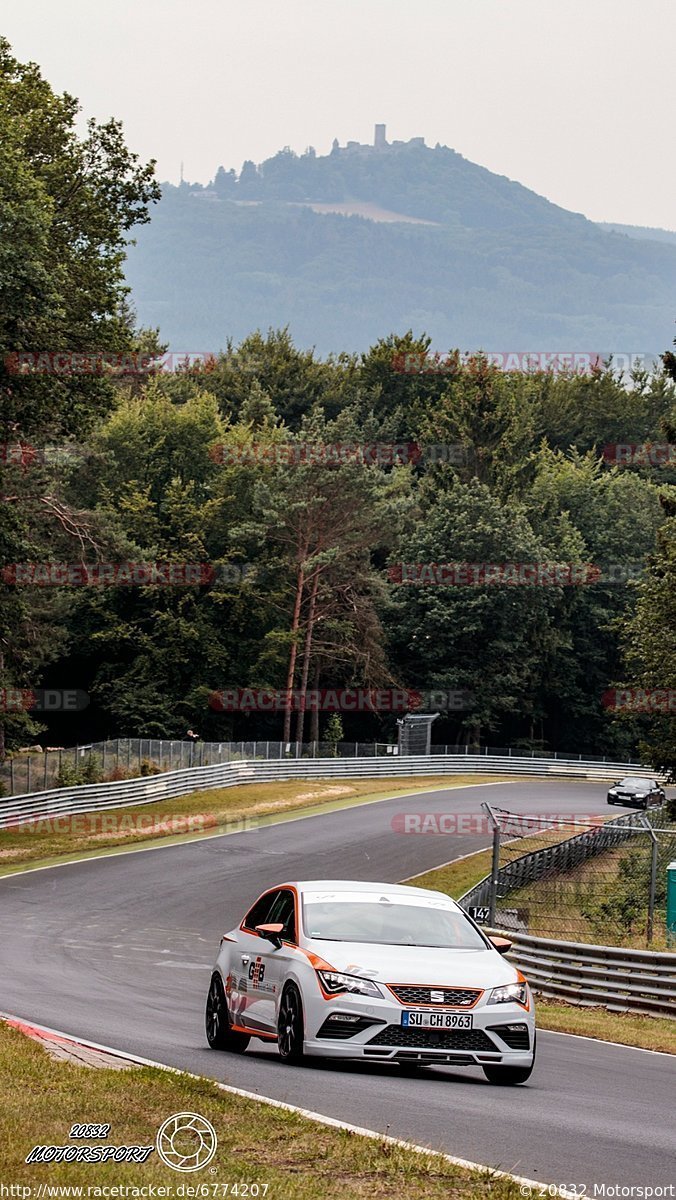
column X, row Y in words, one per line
column 580, row 973
column 149, row 789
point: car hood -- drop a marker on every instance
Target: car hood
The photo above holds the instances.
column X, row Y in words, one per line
column 417, row 964
column 630, row 787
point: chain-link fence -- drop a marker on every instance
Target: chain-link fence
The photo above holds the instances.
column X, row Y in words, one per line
column 127, row 758
column 581, row 879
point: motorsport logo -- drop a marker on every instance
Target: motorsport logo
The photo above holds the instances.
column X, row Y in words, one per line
column 186, row 1141
column 77, row 1152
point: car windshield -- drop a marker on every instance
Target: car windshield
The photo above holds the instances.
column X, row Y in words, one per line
column 388, row 920
column 641, row 783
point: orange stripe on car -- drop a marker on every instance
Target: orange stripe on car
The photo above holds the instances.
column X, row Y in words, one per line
column 268, row 1037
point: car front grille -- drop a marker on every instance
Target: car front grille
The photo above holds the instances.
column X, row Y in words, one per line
column 515, row 1036
column 437, row 1039
column 426, row 994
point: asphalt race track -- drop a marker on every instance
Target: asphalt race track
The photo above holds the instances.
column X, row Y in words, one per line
column 119, row 950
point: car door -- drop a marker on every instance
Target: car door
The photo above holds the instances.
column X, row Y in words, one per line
column 283, row 912
column 250, row 999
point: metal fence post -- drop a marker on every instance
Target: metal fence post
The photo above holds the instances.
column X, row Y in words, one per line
column 653, row 877
column 495, row 864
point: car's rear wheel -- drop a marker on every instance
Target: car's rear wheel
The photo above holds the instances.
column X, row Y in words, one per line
column 290, row 1026
column 220, row 1034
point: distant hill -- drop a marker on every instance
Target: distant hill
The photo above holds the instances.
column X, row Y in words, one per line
column 442, row 245
column 642, row 232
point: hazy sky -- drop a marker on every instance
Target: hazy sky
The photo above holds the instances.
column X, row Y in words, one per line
column 574, row 98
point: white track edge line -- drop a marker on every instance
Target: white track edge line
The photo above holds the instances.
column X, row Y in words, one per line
column 320, row 1118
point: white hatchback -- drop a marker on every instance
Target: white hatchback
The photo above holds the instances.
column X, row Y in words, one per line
column 371, row 971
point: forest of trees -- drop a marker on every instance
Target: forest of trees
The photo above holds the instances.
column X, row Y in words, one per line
column 302, row 584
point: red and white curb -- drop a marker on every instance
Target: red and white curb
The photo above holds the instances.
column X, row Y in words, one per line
column 44, row 1033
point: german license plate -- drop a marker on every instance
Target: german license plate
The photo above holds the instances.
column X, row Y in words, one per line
column 436, row 1020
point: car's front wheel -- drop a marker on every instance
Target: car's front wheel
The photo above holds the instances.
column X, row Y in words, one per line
column 507, row 1076
column 413, row 1068
column 290, row 1027
column 220, row 1034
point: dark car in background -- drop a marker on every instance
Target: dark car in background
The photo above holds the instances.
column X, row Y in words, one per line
column 636, row 792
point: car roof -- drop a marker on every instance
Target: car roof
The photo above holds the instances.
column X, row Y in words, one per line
column 360, row 885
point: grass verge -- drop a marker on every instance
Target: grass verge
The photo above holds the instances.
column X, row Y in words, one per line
column 298, row 1159
column 631, row 1029
column 50, row 839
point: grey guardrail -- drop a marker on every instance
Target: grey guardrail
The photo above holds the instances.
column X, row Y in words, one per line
column 613, row 977
column 150, row 789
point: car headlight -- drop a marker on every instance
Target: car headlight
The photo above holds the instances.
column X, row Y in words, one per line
column 335, row 982
column 612, row 791
column 510, row 993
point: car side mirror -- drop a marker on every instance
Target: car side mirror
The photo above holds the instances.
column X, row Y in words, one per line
column 271, row 933
column 502, row 945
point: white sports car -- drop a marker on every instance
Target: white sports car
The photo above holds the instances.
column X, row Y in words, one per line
column 371, row 971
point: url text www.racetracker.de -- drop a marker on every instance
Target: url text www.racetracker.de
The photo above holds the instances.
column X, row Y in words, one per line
column 240, row 1189
column 248, row 1190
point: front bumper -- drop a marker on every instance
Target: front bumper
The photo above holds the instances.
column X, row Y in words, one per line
column 357, row 1027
